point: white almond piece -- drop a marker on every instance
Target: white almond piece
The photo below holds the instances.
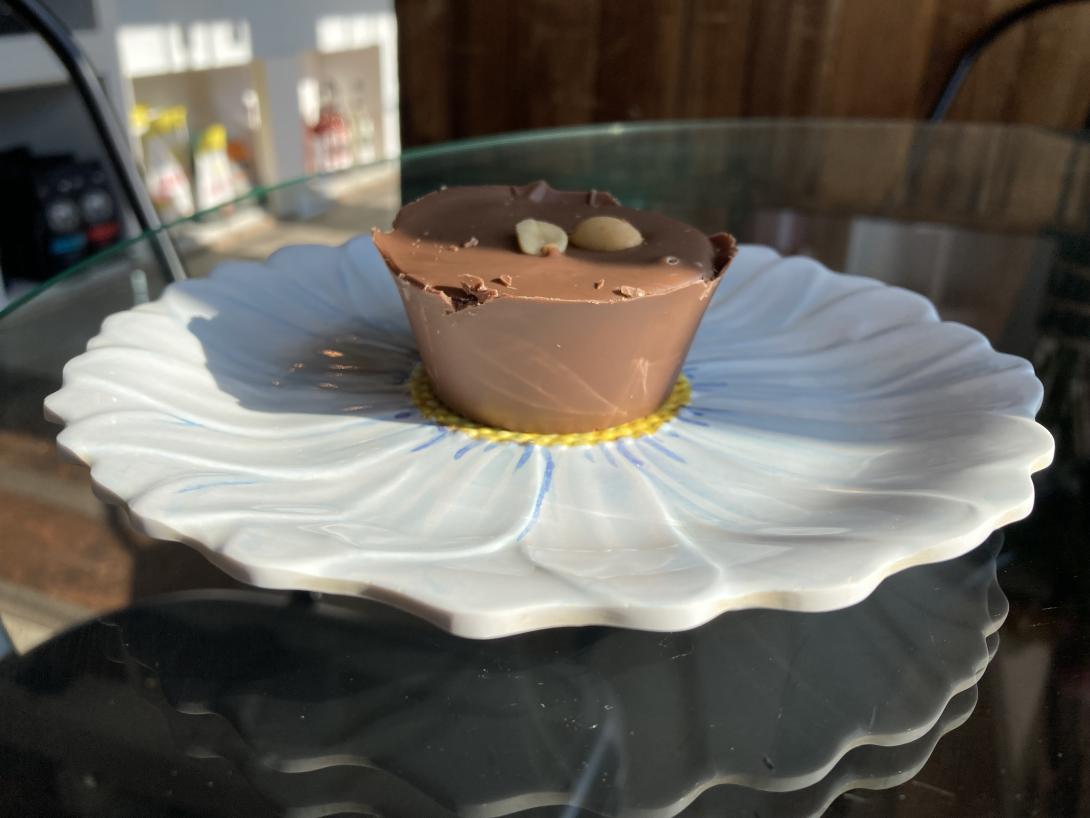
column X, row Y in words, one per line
column 606, row 234
column 536, row 238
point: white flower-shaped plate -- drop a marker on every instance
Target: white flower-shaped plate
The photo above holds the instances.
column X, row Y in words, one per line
column 838, row 432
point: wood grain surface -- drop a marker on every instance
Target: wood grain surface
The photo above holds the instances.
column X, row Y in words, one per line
column 472, row 67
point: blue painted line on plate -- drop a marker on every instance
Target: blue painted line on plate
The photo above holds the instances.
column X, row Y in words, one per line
column 187, row 422
column 627, row 455
column 458, row 455
column 666, row 451
column 607, row 455
column 442, row 433
column 527, row 450
column 491, row 446
column 693, row 421
column 710, row 410
column 546, row 484
column 588, row 455
column 408, row 413
column 217, row 484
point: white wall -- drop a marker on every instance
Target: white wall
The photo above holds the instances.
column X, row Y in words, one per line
column 204, row 54
column 293, row 41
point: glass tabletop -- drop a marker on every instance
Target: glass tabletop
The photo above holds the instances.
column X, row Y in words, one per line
column 927, row 698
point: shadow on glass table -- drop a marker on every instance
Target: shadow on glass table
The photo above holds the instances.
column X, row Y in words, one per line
column 236, row 703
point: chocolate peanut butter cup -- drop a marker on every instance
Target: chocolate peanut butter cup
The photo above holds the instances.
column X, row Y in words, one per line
column 549, row 311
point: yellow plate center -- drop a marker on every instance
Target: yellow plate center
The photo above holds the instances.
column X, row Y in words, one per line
column 432, row 408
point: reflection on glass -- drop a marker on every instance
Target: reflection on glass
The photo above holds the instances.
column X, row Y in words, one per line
column 758, row 710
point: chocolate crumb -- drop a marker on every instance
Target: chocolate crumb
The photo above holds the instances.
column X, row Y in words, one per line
column 453, row 247
column 599, row 283
column 629, row 292
column 598, row 198
column 455, row 298
column 475, row 286
column 537, row 191
column 471, row 283
column 504, row 279
column 472, row 242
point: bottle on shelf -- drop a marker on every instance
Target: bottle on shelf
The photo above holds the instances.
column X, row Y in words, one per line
column 362, row 125
column 331, row 140
column 174, row 125
column 240, row 159
column 168, row 182
column 212, row 166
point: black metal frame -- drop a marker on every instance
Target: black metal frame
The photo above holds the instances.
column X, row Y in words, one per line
column 56, row 35
column 973, row 50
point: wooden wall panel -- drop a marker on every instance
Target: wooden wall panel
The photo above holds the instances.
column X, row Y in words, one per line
column 878, row 54
column 955, row 26
column 1056, row 64
column 995, row 79
column 557, row 52
column 423, row 60
column 640, row 59
column 788, row 56
column 481, row 67
column 713, row 72
column 471, row 67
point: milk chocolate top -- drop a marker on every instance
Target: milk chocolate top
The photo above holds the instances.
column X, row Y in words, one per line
column 460, row 243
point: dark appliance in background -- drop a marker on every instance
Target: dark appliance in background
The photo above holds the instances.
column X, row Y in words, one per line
column 78, row 15
column 57, row 210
